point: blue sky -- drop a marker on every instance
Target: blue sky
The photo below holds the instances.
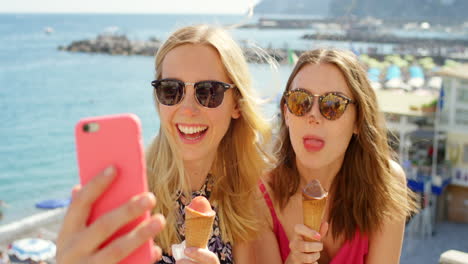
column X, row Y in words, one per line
column 126, row 6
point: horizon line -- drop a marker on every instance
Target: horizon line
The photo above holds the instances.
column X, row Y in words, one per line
column 115, row 13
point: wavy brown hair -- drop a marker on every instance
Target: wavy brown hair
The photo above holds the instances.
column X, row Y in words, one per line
column 365, row 191
column 240, row 160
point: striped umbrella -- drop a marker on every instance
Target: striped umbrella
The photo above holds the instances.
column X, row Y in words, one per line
column 33, row 248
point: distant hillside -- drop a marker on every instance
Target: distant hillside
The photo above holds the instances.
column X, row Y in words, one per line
column 294, row 7
column 436, row 11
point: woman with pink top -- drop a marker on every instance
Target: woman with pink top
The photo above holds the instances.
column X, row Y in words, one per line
column 331, row 130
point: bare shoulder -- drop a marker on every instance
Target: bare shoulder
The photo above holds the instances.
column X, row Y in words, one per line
column 397, row 171
column 385, row 244
column 244, row 252
column 266, row 246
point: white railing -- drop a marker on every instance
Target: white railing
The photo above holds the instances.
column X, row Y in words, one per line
column 12, row 231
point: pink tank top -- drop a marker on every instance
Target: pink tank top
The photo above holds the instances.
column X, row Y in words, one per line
column 353, row 251
column 281, row 237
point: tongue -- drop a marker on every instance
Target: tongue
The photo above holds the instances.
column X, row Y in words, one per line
column 313, row 143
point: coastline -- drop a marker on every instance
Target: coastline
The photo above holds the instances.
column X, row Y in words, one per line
column 418, row 48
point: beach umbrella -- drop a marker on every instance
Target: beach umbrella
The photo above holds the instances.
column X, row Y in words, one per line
column 33, row 248
column 373, row 74
column 393, row 72
column 416, row 79
column 53, row 203
column 397, row 60
column 409, row 58
column 427, row 63
column 416, row 72
column 450, row 63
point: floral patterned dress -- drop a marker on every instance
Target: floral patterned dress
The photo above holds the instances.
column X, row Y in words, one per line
column 215, row 244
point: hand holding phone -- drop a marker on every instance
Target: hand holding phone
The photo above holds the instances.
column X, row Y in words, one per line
column 109, row 216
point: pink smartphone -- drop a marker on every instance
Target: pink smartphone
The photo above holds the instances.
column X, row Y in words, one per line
column 114, row 140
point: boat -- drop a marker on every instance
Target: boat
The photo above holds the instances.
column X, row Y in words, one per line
column 48, row 30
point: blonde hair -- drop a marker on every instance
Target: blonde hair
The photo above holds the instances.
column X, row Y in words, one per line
column 239, row 161
column 365, row 190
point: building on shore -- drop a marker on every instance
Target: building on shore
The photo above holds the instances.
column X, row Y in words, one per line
column 430, row 134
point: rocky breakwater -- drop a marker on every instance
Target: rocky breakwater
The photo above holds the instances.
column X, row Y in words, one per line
column 114, row 45
column 121, row 45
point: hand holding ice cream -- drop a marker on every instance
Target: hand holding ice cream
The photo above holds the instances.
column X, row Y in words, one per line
column 199, row 218
column 314, row 200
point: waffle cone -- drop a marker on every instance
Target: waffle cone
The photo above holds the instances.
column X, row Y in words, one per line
column 313, row 212
column 197, row 228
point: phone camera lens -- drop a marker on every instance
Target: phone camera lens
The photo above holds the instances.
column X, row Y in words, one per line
column 91, row 127
column 86, row 128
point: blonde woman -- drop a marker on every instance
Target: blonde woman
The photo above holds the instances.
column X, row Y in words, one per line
column 208, row 144
column 331, row 130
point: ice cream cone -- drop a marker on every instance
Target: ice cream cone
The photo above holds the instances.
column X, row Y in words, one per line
column 313, row 212
column 314, row 200
column 198, row 228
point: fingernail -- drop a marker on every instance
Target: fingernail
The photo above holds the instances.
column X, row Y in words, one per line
column 154, row 225
column 151, row 196
column 189, row 251
column 75, row 192
column 109, row 171
column 144, row 201
column 76, row 189
column 160, row 218
column 317, row 237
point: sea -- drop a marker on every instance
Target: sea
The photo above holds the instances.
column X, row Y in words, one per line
column 45, row 91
